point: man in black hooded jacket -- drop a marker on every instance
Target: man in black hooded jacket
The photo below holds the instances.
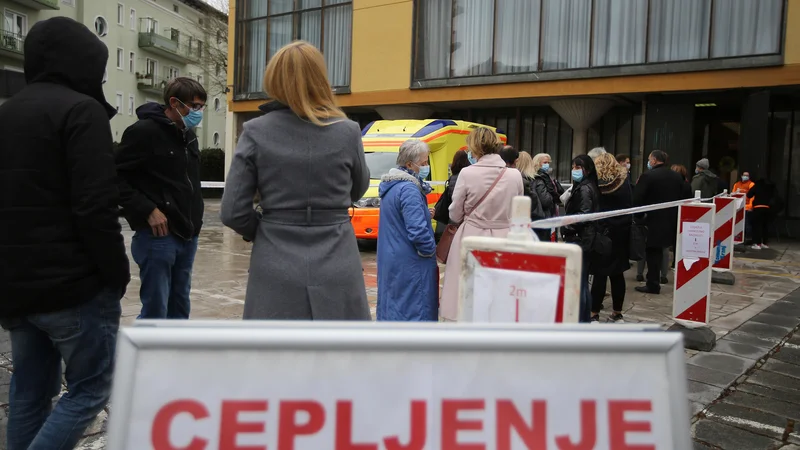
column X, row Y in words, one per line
column 63, row 267
column 158, row 161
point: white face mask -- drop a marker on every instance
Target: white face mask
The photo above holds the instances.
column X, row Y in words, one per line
column 628, row 166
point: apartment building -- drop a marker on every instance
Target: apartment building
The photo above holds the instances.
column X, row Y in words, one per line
column 696, row 78
column 149, row 42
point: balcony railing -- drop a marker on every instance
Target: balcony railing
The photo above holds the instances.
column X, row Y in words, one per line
column 39, row 4
column 12, row 44
column 150, row 83
column 167, row 46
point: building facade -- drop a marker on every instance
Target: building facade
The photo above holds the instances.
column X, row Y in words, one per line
column 696, row 78
column 149, row 42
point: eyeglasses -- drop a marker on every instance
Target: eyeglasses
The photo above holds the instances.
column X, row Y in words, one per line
column 193, row 106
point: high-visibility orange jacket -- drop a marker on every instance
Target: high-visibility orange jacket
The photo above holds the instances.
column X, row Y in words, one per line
column 743, row 187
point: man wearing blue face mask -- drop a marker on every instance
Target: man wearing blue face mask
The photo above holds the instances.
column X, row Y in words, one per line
column 158, row 162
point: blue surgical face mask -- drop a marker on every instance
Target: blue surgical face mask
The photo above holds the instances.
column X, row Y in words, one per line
column 193, row 119
column 471, row 158
column 424, row 171
column 745, row 178
column 696, row 171
column 546, row 167
column 649, row 166
column 577, row 174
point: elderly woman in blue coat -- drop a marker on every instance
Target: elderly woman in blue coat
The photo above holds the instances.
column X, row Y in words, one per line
column 408, row 281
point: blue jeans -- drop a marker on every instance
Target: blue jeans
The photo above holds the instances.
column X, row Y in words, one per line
column 165, row 269
column 85, row 337
column 585, row 315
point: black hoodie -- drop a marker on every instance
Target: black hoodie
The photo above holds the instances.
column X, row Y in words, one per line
column 159, row 167
column 60, row 237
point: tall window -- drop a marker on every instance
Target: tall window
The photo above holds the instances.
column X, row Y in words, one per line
column 131, row 106
column 120, row 14
column 120, row 58
column 132, row 62
column 267, row 25
column 132, row 19
column 119, row 102
column 173, row 73
column 469, row 38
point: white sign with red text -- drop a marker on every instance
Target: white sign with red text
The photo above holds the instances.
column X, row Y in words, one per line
column 505, row 280
column 376, row 389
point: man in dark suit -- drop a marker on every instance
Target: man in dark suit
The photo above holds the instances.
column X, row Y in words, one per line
column 659, row 185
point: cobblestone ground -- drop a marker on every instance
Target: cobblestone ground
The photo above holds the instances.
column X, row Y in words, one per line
column 745, row 394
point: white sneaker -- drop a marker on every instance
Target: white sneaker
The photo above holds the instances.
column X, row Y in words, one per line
column 764, row 246
column 756, row 247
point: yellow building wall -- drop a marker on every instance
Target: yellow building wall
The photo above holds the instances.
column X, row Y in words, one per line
column 382, row 40
column 382, row 62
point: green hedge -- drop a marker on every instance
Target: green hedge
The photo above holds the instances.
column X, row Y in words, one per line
column 212, row 168
column 212, row 164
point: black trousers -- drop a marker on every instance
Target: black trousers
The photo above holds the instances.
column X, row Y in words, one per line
column 760, row 225
column 599, row 291
column 654, row 256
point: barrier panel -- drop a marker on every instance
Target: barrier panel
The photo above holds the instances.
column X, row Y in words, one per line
column 741, row 211
column 692, row 294
column 723, row 234
column 519, row 279
column 212, row 184
column 300, row 387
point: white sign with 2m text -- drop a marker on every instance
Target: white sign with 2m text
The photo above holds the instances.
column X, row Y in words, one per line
column 502, row 295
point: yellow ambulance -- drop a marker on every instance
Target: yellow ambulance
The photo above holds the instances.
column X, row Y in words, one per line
column 382, row 141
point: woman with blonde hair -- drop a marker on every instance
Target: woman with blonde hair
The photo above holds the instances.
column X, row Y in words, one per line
column 525, row 167
column 615, row 193
column 306, row 160
column 481, row 204
column 549, row 190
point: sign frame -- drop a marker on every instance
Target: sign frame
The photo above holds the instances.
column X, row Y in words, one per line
column 725, row 223
column 133, row 342
column 567, row 260
column 691, row 297
column 339, row 325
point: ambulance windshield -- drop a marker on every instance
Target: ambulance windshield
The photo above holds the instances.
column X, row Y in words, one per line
column 380, row 163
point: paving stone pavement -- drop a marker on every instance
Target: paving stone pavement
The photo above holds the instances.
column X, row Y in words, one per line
column 751, row 319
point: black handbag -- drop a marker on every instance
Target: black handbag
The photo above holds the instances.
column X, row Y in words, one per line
column 638, row 242
column 441, row 212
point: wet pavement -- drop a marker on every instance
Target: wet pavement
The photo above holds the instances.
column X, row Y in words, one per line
column 746, row 331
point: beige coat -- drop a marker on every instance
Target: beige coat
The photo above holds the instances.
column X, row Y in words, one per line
column 492, row 218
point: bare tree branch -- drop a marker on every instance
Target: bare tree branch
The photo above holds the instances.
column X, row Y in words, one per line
column 213, row 32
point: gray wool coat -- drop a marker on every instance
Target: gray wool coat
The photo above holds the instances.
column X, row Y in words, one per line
column 305, row 263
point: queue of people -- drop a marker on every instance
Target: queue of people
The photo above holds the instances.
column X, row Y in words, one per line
column 61, row 297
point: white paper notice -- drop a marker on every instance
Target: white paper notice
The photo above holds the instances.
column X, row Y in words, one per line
column 514, row 296
column 689, row 262
column 695, row 242
column 739, row 202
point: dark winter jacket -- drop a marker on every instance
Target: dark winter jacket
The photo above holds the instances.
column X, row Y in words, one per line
column 763, row 194
column 60, row 237
column 584, row 200
column 707, row 183
column 660, row 185
column 553, row 187
column 529, row 190
column 615, row 193
column 545, row 194
column 159, row 167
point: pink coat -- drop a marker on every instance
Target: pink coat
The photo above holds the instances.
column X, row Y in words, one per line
column 492, row 218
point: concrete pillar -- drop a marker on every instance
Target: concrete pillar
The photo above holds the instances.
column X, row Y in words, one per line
column 580, row 114
column 404, row 112
column 754, row 135
column 230, row 139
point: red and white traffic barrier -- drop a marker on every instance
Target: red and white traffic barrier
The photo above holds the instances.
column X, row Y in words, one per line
column 693, row 252
column 723, row 234
column 519, row 279
column 738, row 224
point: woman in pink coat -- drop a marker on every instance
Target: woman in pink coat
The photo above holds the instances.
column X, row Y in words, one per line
column 491, row 218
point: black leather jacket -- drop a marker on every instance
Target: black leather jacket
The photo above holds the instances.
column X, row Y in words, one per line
column 585, row 199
